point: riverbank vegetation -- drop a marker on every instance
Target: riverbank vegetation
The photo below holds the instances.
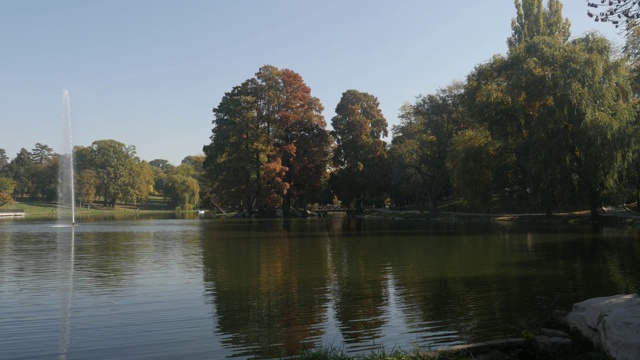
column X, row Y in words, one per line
column 550, row 125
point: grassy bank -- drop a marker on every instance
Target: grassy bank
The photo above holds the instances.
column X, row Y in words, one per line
column 50, row 210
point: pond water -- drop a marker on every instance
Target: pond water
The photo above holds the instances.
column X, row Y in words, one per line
column 212, row 288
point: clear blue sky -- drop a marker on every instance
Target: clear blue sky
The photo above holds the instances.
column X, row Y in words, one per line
column 149, row 72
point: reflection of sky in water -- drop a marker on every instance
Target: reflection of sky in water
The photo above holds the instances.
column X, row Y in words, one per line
column 213, row 289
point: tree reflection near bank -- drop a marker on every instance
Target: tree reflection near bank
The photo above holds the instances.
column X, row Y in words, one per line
column 278, row 288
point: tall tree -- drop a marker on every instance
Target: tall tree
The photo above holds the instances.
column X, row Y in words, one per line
column 20, row 169
column 237, row 152
column 41, row 153
column 631, row 50
column 302, row 143
column 268, row 142
column 114, row 163
column 533, row 20
column 44, row 178
column 360, row 156
column 4, row 160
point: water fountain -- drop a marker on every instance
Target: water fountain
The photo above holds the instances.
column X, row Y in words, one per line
column 66, row 192
column 66, row 195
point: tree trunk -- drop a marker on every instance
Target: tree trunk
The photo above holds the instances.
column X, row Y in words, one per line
column 358, row 201
column 638, row 189
column 593, row 204
column 286, row 205
column 433, row 206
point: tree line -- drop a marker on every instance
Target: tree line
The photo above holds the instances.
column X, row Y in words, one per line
column 106, row 173
column 551, row 124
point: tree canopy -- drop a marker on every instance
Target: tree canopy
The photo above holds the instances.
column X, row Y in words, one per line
column 116, row 172
column 268, row 143
column 360, row 157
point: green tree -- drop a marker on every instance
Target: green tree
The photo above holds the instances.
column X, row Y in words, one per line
column 556, row 112
column 533, row 20
column 183, row 191
column 114, row 163
column 161, row 170
column 422, row 143
column 20, row 169
column 41, row 153
column 631, row 50
column 140, row 182
column 360, row 156
column 473, row 163
column 238, row 150
column 195, row 161
column 4, row 161
column 577, row 109
column 44, row 178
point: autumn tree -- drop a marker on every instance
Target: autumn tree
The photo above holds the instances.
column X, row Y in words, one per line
column 268, row 143
column 7, row 186
column 360, row 156
column 87, row 183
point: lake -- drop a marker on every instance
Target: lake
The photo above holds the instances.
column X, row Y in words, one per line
column 213, row 288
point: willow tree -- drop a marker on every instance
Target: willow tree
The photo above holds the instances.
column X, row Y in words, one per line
column 360, row 157
column 575, row 110
column 556, row 110
column 269, row 145
column 631, row 50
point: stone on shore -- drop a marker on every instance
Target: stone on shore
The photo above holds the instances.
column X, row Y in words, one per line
column 611, row 323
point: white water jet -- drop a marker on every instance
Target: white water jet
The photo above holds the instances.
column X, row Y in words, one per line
column 66, row 189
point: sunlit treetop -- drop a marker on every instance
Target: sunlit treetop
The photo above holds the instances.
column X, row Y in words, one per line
column 617, row 12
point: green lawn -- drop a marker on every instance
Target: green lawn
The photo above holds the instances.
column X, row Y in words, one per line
column 45, row 209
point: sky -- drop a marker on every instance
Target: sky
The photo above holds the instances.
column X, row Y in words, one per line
column 149, row 72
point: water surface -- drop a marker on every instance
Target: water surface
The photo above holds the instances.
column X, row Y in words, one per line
column 208, row 289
